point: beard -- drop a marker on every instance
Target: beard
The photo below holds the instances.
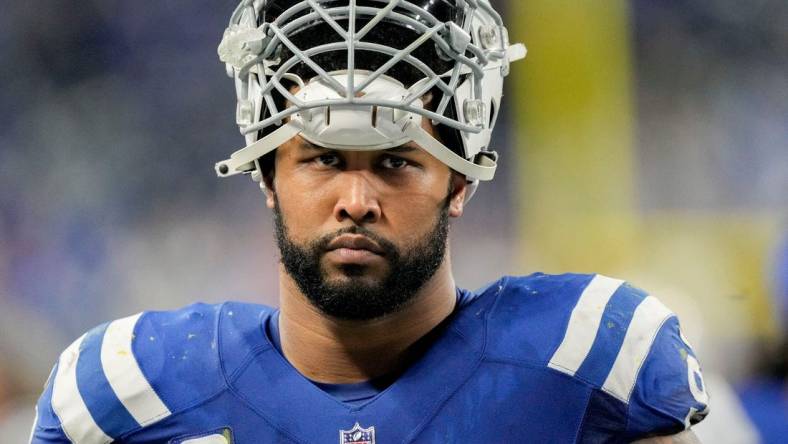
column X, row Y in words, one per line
column 356, row 296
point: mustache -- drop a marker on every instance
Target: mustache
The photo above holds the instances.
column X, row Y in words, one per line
column 388, row 247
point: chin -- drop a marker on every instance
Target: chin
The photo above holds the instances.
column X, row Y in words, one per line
column 357, row 274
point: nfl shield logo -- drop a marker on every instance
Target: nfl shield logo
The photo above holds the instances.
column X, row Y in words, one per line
column 357, row 435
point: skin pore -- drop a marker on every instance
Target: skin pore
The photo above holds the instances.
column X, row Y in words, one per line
column 357, row 206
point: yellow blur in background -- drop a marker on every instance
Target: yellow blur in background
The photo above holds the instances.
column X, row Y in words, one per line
column 578, row 169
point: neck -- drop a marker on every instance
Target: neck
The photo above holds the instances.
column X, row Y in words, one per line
column 336, row 351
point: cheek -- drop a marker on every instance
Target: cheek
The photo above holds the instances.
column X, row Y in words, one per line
column 304, row 207
column 412, row 209
column 411, row 216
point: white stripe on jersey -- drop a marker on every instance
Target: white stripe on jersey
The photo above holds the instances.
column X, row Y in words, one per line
column 646, row 322
column 33, row 429
column 125, row 376
column 583, row 324
column 68, row 405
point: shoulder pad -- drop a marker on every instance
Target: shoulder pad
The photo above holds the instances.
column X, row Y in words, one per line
column 242, row 334
column 669, row 393
column 134, row 372
column 610, row 335
column 529, row 318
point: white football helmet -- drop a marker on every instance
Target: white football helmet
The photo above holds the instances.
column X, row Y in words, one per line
column 361, row 74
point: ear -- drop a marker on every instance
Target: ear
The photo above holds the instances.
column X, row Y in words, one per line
column 459, row 187
column 267, row 185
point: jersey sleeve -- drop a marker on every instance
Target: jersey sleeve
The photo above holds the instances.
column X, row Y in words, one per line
column 61, row 399
column 127, row 376
column 669, row 394
column 97, row 391
column 46, row 427
column 627, row 346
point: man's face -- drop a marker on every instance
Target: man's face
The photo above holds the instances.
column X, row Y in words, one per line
column 361, row 232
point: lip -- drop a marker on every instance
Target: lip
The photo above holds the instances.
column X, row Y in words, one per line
column 355, row 242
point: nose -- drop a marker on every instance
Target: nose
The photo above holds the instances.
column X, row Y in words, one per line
column 357, row 201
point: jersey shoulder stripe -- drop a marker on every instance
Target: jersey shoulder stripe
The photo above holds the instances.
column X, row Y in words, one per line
column 101, row 400
column 621, row 347
column 110, row 395
column 609, row 334
column 99, row 390
column 528, row 319
column 646, row 322
column 67, row 402
column 616, row 322
column 584, row 320
column 125, row 376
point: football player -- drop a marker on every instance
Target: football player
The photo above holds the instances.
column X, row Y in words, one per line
column 367, row 124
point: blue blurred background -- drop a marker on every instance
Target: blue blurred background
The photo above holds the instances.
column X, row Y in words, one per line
column 647, row 140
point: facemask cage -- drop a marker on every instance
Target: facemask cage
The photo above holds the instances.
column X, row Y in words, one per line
column 355, row 75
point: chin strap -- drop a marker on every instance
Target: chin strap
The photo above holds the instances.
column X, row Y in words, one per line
column 243, row 160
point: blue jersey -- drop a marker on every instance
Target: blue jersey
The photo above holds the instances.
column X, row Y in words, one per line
column 560, row 359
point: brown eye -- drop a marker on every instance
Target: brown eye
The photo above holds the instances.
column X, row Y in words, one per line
column 394, row 163
column 328, row 159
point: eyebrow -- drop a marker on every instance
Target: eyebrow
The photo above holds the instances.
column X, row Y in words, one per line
column 407, row 148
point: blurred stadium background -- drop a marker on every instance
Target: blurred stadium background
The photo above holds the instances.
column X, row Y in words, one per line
column 645, row 140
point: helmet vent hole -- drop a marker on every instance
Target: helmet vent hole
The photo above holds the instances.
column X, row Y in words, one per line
column 328, row 115
column 374, row 117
